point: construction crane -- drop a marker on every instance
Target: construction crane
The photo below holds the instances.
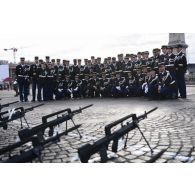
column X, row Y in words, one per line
column 14, row 52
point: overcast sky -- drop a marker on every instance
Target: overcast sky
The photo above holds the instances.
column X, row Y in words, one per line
column 79, row 29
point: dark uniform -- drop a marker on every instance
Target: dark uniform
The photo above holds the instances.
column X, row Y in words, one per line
column 33, row 75
column 131, row 84
column 169, row 61
column 180, row 70
column 152, row 85
column 165, row 80
column 22, row 74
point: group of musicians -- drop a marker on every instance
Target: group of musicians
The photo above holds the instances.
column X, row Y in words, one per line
column 161, row 76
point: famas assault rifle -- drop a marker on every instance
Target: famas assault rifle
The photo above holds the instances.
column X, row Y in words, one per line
column 67, row 114
column 101, row 146
column 14, row 114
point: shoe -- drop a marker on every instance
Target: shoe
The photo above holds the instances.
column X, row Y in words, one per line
column 32, row 100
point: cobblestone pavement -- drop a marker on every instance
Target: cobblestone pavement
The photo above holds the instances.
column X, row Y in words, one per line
column 171, row 127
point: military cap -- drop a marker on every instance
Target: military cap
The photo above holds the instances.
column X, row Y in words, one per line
column 74, row 60
column 64, row 61
column 169, row 47
column 22, row 58
column 139, row 53
column 131, row 55
column 113, row 58
column 179, row 46
column 134, row 56
column 85, row 60
column 99, row 58
column 108, row 58
column 156, row 49
column 92, row 57
column 164, row 47
column 47, row 57
column 53, row 60
column 40, row 60
column 36, row 57
column 146, row 52
column 127, row 55
column 79, row 60
column 57, row 60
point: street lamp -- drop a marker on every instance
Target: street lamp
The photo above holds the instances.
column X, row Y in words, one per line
column 14, row 52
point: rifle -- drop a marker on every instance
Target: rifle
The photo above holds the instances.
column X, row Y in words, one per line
column 35, row 152
column 101, row 145
column 7, row 105
column 14, row 114
column 40, row 129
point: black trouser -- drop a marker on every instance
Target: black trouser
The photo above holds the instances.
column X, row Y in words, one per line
column 180, row 79
column 40, row 88
column 34, row 88
column 23, row 89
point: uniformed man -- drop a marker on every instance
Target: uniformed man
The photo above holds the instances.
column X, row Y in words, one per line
column 113, row 65
column 120, row 63
column 66, row 67
column 156, row 59
column 128, row 65
column 119, row 88
column 163, row 56
column 47, row 59
column 80, row 66
column 45, row 83
column 170, row 60
column 180, row 70
column 139, row 58
column 104, row 86
column 131, row 84
column 76, row 87
column 40, row 81
column 165, row 80
column 152, row 84
column 84, row 86
column 50, row 81
column 33, row 75
column 22, row 74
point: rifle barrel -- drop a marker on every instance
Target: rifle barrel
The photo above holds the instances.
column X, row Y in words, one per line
column 146, row 113
column 80, row 109
column 6, row 105
column 32, row 108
